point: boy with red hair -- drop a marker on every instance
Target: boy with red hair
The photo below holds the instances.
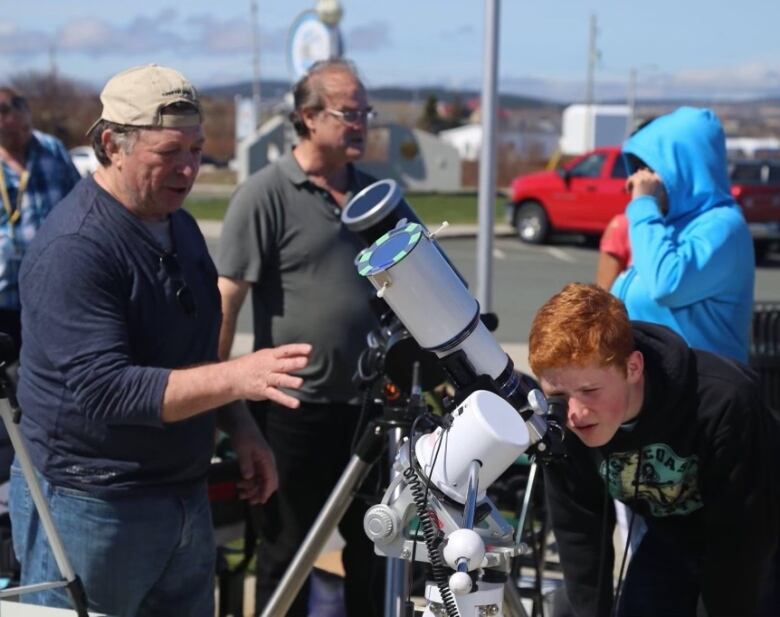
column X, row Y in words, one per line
column 680, row 436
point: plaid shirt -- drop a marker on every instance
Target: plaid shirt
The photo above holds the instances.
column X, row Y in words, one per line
column 52, row 176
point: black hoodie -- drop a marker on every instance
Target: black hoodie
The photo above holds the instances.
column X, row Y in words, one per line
column 708, row 479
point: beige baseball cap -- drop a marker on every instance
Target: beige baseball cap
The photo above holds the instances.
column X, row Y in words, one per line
column 140, row 95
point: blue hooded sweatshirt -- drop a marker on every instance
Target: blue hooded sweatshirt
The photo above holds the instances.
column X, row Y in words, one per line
column 693, row 268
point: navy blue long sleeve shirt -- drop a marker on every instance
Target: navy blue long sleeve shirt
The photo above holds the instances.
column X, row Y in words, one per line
column 102, row 329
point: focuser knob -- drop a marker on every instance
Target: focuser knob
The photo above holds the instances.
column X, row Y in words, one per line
column 381, row 524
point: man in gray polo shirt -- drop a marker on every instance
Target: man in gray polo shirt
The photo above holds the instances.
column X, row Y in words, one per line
column 283, row 238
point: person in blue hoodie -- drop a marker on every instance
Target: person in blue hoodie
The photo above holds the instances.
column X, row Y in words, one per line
column 693, row 263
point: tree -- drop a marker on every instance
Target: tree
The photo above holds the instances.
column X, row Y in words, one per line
column 60, row 106
column 457, row 115
column 430, row 120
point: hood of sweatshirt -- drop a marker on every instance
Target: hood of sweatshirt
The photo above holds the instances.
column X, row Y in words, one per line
column 687, row 149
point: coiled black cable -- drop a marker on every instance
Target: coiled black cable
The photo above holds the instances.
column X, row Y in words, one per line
column 431, row 537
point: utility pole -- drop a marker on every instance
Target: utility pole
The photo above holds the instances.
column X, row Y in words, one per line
column 53, row 61
column 255, row 62
column 487, row 159
column 631, row 100
column 593, row 56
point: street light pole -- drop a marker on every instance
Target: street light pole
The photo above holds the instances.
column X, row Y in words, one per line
column 631, row 100
column 255, row 62
column 593, row 55
column 487, row 160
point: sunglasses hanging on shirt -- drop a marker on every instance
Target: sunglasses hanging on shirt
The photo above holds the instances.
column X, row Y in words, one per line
column 184, row 295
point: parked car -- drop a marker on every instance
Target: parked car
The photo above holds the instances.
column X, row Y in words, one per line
column 755, row 184
column 84, row 159
column 589, row 190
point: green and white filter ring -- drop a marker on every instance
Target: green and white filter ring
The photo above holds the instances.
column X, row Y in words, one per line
column 389, row 249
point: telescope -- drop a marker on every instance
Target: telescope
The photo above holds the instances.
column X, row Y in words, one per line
column 438, row 478
column 446, row 472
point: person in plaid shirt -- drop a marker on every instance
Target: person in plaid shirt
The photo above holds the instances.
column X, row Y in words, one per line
column 35, row 173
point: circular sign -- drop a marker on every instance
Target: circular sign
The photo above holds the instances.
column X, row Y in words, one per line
column 310, row 40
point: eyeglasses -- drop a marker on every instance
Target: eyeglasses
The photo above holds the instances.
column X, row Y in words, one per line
column 17, row 103
column 184, row 295
column 353, row 116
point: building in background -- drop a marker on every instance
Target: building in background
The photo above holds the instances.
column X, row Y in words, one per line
column 536, row 143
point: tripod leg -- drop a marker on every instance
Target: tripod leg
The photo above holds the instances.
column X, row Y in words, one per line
column 519, row 537
column 327, row 520
column 74, row 585
column 513, row 602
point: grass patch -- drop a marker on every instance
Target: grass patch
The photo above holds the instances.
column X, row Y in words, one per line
column 432, row 208
column 207, row 208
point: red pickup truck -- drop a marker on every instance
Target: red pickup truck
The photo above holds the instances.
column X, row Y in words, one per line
column 589, row 190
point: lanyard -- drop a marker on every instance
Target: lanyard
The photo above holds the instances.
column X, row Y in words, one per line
column 15, row 212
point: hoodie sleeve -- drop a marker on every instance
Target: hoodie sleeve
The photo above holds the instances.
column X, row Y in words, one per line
column 739, row 486
column 686, row 267
column 583, row 520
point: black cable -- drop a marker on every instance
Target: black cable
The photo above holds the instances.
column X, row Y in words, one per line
column 603, row 550
column 412, row 432
column 628, row 536
column 430, row 531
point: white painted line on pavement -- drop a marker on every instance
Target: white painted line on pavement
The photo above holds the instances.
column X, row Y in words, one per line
column 499, row 254
column 559, row 254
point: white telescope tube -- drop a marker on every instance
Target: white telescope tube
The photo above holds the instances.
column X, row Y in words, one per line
column 429, row 298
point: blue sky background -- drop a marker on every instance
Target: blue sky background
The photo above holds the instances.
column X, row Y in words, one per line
column 680, row 48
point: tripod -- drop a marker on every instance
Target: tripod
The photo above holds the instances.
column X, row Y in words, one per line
column 385, row 430
column 393, row 420
column 11, row 414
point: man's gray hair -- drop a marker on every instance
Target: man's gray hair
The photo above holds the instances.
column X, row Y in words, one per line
column 123, row 137
column 308, row 92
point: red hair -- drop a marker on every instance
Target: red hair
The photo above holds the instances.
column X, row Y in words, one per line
column 577, row 326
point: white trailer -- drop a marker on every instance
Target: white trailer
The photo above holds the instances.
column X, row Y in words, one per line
column 585, row 127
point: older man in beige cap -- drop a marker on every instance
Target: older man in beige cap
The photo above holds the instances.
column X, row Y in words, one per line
column 121, row 317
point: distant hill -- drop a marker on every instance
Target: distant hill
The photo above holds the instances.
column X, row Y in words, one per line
column 272, row 91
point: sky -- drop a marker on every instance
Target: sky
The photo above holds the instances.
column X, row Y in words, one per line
column 713, row 50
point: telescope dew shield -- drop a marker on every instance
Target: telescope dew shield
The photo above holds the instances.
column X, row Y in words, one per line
column 377, row 209
column 426, row 294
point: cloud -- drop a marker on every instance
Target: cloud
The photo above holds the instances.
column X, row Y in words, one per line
column 233, row 36
column 16, row 42
column 95, row 36
column 750, row 80
column 745, row 81
column 222, row 36
column 462, row 31
column 200, row 35
column 373, row 36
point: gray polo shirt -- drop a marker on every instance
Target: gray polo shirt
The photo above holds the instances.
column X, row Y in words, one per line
column 283, row 234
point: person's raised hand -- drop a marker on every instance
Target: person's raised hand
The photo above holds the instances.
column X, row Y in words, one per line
column 263, row 372
column 643, row 182
column 646, row 182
